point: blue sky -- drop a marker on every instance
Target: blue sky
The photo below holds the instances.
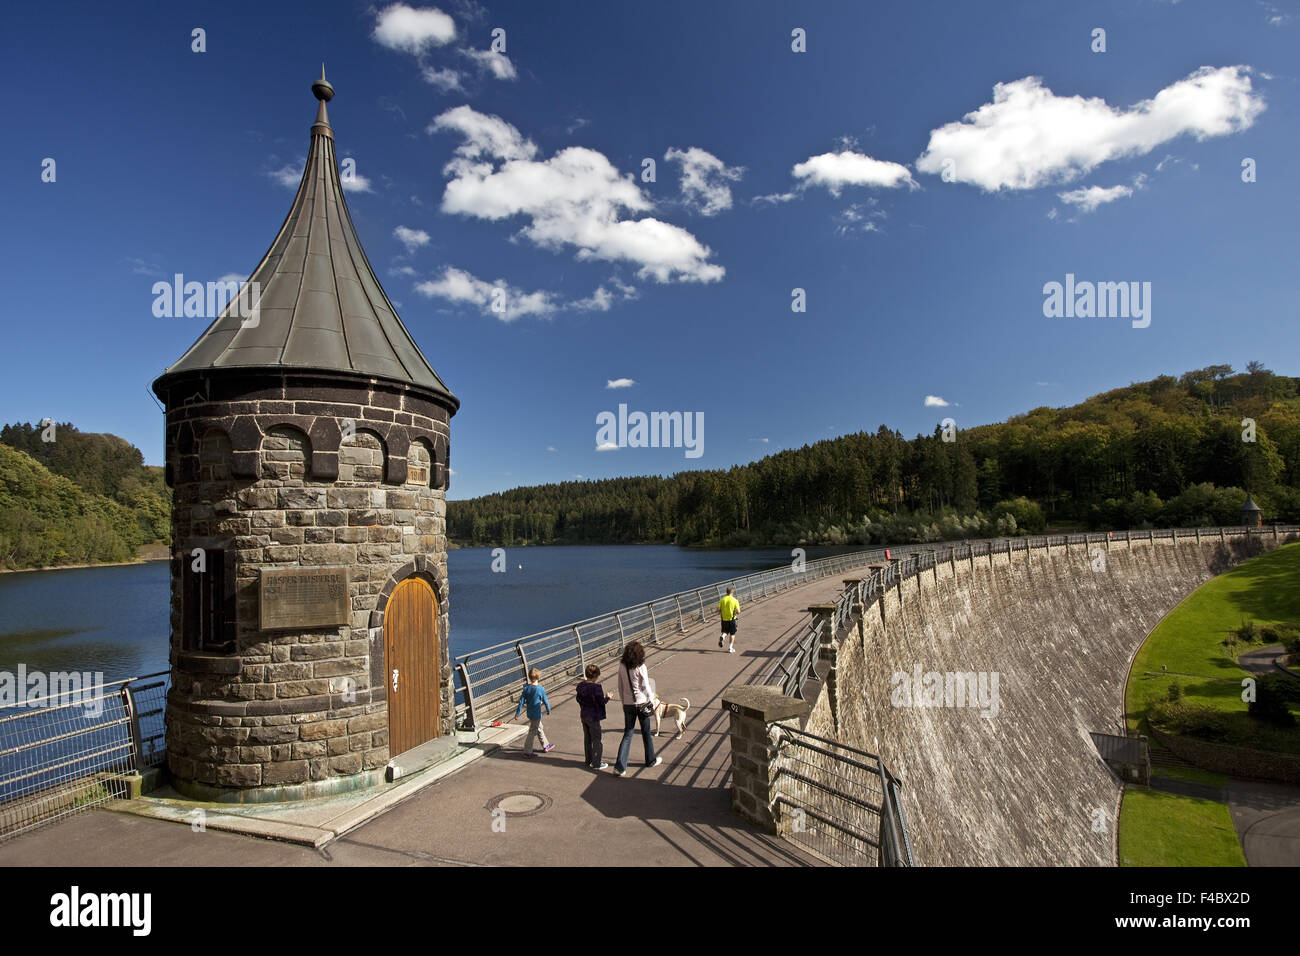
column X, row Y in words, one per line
column 775, row 170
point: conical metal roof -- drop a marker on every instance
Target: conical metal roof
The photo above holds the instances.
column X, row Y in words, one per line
column 321, row 308
column 1250, row 504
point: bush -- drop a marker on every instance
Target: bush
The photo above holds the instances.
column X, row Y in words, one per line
column 1288, row 635
column 1190, row 720
column 1274, row 695
column 1175, row 692
column 1027, row 516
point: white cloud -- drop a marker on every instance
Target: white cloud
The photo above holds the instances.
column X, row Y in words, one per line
column 486, row 137
column 401, row 271
column 234, row 277
column 607, row 446
column 1089, row 198
column 457, row 285
column 858, row 217
column 704, row 179
column 763, row 440
column 445, row 80
column 575, row 198
column 290, row 175
column 847, row 168
column 774, row 198
column 625, row 289
column 490, row 61
column 1274, row 16
column 356, row 183
column 1172, row 160
column 551, row 448
column 934, row 401
column 1029, row 137
column 411, row 238
column 413, row 30
column 144, row 267
column 599, row 301
column 620, row 383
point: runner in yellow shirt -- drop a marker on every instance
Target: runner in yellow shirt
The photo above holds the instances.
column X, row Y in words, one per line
column 729, row 611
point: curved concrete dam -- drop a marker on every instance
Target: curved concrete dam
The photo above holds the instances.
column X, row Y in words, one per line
column 998, row 767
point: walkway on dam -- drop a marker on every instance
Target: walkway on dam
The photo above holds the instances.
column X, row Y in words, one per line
column 676, row 814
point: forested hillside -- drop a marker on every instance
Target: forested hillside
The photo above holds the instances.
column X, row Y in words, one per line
column 1165, row 452
column 80, row 499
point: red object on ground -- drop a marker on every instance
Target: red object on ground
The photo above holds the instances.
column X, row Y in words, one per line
column 887, row 557
column 496, row 723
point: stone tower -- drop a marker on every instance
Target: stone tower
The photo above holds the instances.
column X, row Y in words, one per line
column 307, row 452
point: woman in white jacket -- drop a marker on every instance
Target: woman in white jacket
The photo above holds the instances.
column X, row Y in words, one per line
column 638, row 705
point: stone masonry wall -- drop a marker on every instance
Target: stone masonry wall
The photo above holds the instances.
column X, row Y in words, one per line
column 275, row 478
column 1024, row 787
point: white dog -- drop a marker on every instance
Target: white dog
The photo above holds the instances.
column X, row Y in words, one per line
column 673, row 712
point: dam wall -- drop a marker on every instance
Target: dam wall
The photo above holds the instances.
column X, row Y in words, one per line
column 997, row 766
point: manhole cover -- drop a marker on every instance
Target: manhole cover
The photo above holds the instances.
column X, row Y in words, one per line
column 520, row 803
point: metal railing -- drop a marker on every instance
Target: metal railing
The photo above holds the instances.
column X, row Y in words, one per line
column 797, row 665
column 74, row 749
column 841, row 802
column 896, row 565
column 488, row 680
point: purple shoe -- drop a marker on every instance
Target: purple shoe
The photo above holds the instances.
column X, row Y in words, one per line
column 529, row 754
column 548, row 748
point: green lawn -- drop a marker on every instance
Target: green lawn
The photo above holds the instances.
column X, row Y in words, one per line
column 1166, row 829
column 1189, row 643
column 1191, row 774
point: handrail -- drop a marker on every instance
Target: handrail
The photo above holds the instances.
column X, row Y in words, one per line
column 489, row 679
column 795, row 666
column 73, row 749
column 816, row 779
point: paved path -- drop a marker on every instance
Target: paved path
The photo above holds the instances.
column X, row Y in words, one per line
column 677, row 814
column 1267, row 818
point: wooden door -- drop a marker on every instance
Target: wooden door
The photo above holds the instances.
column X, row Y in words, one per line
column 411, row 665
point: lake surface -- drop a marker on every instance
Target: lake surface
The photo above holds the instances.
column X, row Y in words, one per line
column 114, row 620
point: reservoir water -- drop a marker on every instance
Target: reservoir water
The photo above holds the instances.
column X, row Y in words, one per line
column 114, row 620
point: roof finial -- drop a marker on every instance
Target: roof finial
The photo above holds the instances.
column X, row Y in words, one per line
column 324, row 92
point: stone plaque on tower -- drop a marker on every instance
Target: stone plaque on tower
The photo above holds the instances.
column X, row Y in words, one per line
column 303, row 597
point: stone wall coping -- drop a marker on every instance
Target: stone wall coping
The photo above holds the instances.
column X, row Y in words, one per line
column 763, row 702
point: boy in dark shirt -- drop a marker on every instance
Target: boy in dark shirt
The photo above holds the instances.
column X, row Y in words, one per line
column 592, row 699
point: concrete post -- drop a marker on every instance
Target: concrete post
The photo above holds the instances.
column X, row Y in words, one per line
column 755, row 770
column 859, row 608
column 879, row 571
column 824, row 617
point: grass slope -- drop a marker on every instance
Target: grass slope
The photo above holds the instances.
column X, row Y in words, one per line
column 1189, row 643
column 1154, row 830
